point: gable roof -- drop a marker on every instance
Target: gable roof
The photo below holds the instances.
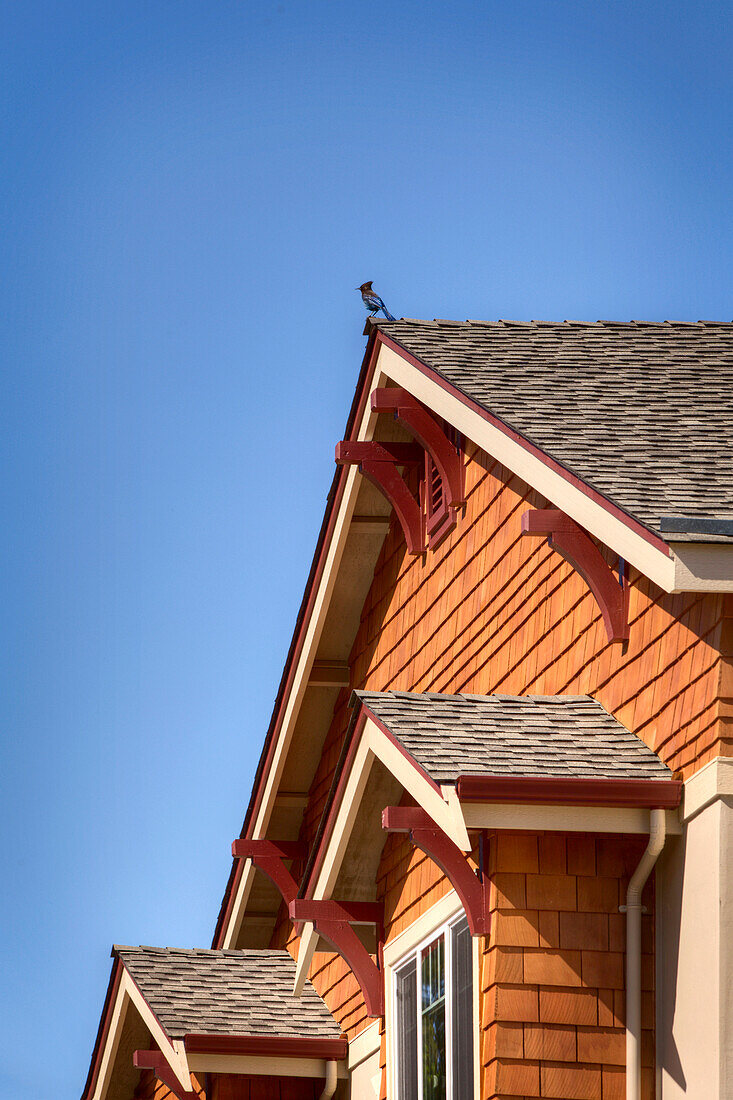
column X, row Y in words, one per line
column 226, row 993
column 641, row 412
column 532, row 735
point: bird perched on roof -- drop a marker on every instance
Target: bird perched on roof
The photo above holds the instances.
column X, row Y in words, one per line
column 372, row 301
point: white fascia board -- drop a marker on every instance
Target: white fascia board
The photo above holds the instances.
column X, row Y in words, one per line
column 653, row 561
column 129, row 995
column 703, row 566
column 446, row 813
column 562, row 819
column 259, row 1066
column 710, row 783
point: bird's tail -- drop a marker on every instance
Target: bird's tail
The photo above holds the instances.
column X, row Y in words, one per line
column 386, row 312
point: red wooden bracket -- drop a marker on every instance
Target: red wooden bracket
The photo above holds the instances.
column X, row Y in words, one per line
column 268, row 856
column 577, row 547
column 423, row 426
column 334, row 921
column 402, row 454
column 426, row 835
column 156, row 1060
column 378, row 462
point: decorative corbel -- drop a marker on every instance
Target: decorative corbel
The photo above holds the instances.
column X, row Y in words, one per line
column 471, row 886
column 577, row 547
column 423, row 426
column 156, row 1061
column 378, row 462
column 268, row 856
column 334, row 921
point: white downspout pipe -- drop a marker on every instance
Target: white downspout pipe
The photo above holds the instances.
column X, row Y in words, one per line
column 633, row 910
column 331, row 1080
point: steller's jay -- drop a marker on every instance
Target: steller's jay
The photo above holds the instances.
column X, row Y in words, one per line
column 372, row 301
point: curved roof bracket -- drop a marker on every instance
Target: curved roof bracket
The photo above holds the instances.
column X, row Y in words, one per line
column 268, row 856
column 422, row 425
column 577, row 547
column 472, row 889
column 334, row 921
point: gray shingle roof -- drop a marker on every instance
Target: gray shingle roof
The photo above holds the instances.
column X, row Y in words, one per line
column 530, row 735
column 642, row 412
column 226, row 993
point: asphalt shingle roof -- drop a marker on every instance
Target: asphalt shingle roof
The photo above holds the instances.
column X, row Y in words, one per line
column 530, row 735
column 226, row 993
column 642, row 412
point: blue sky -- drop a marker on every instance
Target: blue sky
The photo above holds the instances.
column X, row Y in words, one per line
column 190, row 192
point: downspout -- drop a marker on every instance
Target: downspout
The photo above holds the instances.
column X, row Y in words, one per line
column 633, row 910
column 331, row 1080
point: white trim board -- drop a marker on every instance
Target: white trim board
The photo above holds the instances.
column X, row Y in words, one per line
column 373, row 745
column 129, row 995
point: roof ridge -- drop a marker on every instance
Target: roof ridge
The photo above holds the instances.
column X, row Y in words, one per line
column 538, row 322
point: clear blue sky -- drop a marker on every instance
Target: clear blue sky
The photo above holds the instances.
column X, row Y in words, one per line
column 189, row 194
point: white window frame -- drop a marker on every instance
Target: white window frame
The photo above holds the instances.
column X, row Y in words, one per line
column 436, row 921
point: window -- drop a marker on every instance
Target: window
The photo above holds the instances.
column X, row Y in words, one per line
column 434, row 1018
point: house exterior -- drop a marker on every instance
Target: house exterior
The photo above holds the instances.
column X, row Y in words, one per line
column 487, row 850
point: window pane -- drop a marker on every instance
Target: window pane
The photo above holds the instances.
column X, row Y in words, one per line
column 462, row 960
column 407, row 1032
column 432, row 974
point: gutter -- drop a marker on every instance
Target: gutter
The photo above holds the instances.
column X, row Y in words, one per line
column 633, row 910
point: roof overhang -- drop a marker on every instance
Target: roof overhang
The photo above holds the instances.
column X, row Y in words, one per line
column 474, row 802
column 197, row 1053
column 125, row 1008
column 677, row 567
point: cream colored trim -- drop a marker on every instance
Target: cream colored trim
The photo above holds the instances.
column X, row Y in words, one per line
column 173, row 1050
column 111, row 1043
column 713, row 781
column 366, row 1044
column 261, row 1067
column 649, row 559
column 306, row 950
column 703, row 566
column 129, row 994
column 436, row 916
column 374, row 745
column 294, row 700
column 432, row 920
column 565, row 819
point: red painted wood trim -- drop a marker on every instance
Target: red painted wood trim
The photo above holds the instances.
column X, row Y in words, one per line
column 427, row 836
column 267, row 1046
column 386, row 477
column 549, row 790
column 421, row 423
column 156, row 1060
column 350, row 451
column 355, row 912
column 572, row 479
column 332, row 921
column 268, row 856
column 577, row 547
column 246, row 848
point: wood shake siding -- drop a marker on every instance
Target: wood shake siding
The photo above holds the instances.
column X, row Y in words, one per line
column 492, row 611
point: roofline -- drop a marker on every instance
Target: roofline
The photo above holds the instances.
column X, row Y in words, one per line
column 571, row 791
column 267, row 1046
column 102, row 1030
column 656, row 546
column 332, row 501
column 524, row 441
